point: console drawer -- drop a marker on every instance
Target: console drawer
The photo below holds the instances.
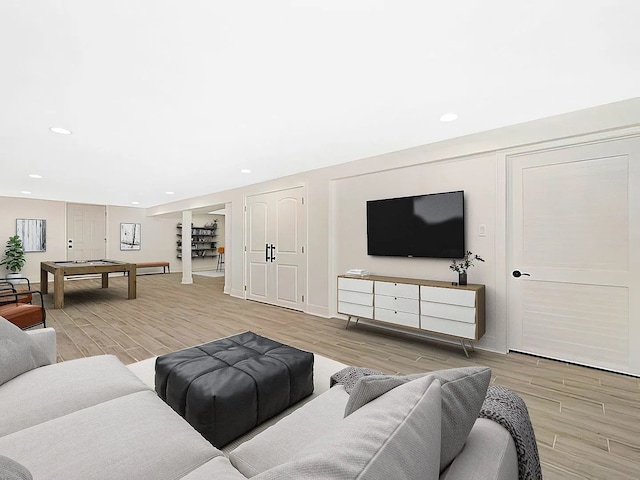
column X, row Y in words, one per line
column 403, row 290
column 455, row 296
column 355, row 310
column 407, row 305
column 450, row 312
column 355, row 297
column 355, row 285
column 399, row 318
column 449, row 327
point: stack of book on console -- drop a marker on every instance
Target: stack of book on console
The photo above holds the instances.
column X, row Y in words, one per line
column 358, row 272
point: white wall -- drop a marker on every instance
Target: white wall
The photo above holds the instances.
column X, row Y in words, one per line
column 157, row 238
column 336, row 195
column 475, row 175
column 220, row 240
column 158, row 233
column 55, row 215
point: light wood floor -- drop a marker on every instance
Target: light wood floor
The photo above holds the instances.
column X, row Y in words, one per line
column 587, row 422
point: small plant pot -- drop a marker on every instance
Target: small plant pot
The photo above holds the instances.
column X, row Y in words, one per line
column 462, row 279
column 12, row 278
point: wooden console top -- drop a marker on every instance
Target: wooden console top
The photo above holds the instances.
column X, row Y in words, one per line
column 416, row 281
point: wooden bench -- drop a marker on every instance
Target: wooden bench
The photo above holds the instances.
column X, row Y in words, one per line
column 164, row 265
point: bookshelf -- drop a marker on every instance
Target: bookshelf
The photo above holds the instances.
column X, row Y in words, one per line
column 203, row 241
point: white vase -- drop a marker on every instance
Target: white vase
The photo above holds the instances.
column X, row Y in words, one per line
column 12, row 276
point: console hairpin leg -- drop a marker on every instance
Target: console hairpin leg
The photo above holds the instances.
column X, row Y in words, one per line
column 349, row 320
column 464, row 347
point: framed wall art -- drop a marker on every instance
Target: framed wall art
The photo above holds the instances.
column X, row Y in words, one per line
column 130, row 236
column 33, row 233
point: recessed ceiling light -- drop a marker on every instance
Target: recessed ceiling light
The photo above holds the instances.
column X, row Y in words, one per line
column 448, row 117
column 169, row 193
column 25, row 192
column 135, row 203
column 60, row 130
column 35, row 175
column 245, row 170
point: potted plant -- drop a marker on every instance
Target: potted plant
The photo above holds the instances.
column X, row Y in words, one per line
column 13, row 259
column 462, row 266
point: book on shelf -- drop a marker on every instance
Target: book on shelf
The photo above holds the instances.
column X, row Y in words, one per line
column 358, row 272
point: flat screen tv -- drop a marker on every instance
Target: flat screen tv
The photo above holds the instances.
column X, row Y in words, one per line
column 420, row 226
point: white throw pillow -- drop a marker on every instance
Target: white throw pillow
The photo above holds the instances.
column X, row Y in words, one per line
column 18, row 352
column 463, row 392
column 396, row 436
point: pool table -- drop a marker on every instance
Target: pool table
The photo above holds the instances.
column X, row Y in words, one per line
column 86, row 267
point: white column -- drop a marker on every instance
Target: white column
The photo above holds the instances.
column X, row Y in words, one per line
column 228, row 249
column 186, row 247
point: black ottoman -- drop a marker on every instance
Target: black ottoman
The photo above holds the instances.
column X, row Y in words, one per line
column 227, row 387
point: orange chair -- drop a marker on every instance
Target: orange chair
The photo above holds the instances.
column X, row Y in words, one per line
column 220, row 265
column 15, row 308
column 9, row 286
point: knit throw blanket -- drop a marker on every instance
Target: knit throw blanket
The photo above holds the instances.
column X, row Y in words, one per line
column 506, row 408
column 500, row 405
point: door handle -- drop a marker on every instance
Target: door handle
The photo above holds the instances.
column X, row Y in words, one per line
column 518, row 274
column 268, row 252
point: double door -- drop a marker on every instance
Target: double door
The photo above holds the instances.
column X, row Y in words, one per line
column 276, row 225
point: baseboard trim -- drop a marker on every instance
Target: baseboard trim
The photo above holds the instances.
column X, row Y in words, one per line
column 237, row 293
column 318, row 311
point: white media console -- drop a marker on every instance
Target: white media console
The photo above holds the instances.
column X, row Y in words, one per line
column 424, row 305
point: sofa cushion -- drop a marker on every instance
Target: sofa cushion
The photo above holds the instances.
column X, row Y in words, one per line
column 280, row 442
column 488, row 454
column 463, row 391
column 56, row 390
column 134, row 436
column 12, row 470
column 45, row 338
column 218, row 468
column 18, row 352
column 395, row 436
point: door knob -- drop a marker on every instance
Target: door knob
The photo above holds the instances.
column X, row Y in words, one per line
column 518, row 274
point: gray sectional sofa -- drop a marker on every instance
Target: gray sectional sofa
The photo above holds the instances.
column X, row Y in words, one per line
column 93, row 418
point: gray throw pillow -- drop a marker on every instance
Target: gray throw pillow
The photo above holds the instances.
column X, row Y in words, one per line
column 18, row 352
column 12, row 470
column 396, row 436
column 463, row 392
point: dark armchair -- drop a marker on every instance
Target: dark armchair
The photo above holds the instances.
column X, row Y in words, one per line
column 16, row 305
column 12, row 286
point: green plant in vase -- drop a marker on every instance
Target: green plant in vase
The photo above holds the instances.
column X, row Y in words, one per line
column 13, row 259
column 462, row 266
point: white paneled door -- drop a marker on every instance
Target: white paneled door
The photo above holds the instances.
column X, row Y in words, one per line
column 86, row 238
column 575, row 236
column 276, row 235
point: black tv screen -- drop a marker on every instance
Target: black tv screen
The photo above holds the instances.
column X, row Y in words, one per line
column 420, row 226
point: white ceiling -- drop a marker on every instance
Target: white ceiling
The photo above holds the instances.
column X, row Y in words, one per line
column 180, row 95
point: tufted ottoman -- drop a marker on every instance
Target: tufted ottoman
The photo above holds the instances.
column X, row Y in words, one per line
column 227, row 387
